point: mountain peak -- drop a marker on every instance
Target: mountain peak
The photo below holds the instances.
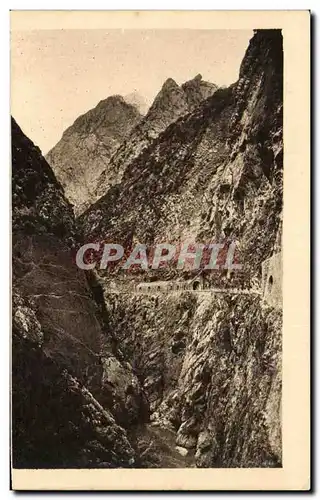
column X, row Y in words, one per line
column 96, row 135
column 170, row 83
column 170, row 101
column 113, row 100
column 137, row 100
column 196, row 90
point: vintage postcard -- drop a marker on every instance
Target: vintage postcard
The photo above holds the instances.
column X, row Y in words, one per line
column 160, row 250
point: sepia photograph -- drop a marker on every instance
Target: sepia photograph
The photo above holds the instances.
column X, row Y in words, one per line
column 148, row 245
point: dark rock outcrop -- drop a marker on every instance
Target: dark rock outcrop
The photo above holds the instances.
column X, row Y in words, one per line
column 72, row 395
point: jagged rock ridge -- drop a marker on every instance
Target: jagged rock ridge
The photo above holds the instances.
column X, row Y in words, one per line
column 85, row 159
column 172, row 102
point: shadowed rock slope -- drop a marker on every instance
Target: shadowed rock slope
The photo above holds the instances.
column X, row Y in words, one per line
column 73, row 394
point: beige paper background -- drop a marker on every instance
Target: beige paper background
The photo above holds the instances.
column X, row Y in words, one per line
column 294, row 475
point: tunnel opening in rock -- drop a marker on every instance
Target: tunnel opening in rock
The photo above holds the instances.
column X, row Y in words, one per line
column 196, row 285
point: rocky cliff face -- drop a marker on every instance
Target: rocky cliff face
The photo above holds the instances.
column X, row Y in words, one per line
column 172, row 102
column 205, row 366
column 213, row 174
column 211, row 366
column 72, row 391
column 87, row 146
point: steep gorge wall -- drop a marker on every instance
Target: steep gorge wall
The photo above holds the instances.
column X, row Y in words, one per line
column 211, row 369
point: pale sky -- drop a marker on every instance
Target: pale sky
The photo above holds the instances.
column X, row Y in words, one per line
column 57, row 75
